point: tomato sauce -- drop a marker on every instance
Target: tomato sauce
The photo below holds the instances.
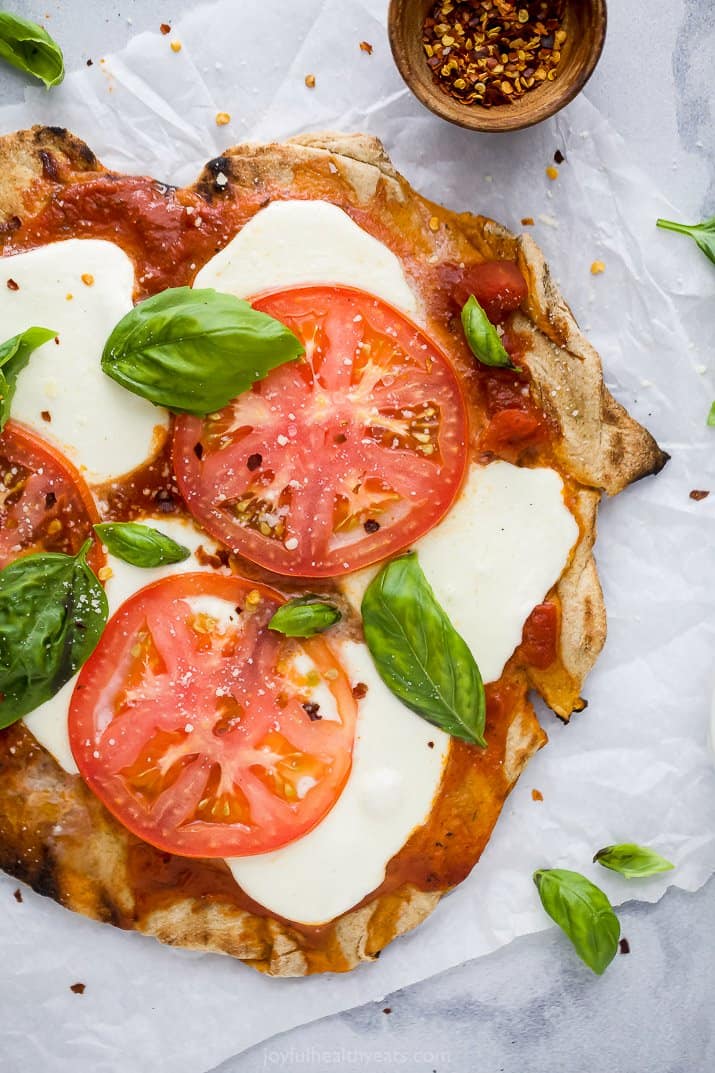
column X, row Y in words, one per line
column 169, row 234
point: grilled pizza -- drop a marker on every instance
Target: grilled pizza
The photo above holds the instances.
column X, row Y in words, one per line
column 300, row 474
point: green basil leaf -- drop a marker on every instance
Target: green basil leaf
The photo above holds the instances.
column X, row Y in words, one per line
column 52, row 613
column 703, row 233
column 14, row 356
column 711, row 416
column 304, row 616
column 583, row 912
column 632, row 861
column 483, row 338
column 140, row 545
column 195, row 350
column 30, row 48
column 418, row 653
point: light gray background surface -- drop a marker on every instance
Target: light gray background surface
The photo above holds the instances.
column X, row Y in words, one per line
column 530, row 1006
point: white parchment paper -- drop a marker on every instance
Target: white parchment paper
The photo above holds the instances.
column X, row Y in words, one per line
column 635, row 765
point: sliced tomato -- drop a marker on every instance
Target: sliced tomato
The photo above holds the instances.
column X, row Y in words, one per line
column 511, row 430
column 45, row 504
column 201, row 730
column 337, row 460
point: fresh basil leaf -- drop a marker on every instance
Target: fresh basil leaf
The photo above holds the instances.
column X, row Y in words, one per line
column 583, row 912
column 632, row 861
column 483, row 338
column 140, row 545
column 195, row 350
column 30, row 48
column 418, row 653
column 711, row 416
column 703, row 233
column 14, row 356
column 52, row 613
column 304, row 616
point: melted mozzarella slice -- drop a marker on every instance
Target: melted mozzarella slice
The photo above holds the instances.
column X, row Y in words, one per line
column 395, row 776
column 290, row 243
column 48, row 723
column 80, row 289
column 500, row 549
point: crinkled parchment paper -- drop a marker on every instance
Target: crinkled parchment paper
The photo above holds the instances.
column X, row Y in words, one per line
column 635, row 765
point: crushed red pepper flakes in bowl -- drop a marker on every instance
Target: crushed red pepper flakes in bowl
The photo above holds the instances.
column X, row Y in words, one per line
column 489, row 52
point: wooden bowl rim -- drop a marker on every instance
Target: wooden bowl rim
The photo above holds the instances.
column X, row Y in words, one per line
column 494, row 120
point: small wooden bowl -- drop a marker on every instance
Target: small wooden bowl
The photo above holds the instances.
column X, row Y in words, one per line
column 585, row 24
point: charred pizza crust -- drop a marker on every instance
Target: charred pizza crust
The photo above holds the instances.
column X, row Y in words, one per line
column 56, row 836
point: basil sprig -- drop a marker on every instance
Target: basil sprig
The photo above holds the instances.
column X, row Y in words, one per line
column 304, row 616
column 30, row 48
column 632, row 861
column 583, row 912
column 418, row 653
column 195, row 350
column 52, row 613
column 14, row 356
column 483, row 338
column 140, row 545
column 703, row 233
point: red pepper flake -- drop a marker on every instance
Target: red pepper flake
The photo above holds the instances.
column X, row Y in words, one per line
column 559, row 157
column 388, row 1009
column 371, row 526
column 430, row 745
column 624, row 946
column 78, row 989
column 165, row 28
column 18, row 895
column 90, row 63
column 312, row 710
column 12, row 286
column 536, row 795
column 365, row 46
column 253, row 462
column 699, row 493
column 46, row 415
column 359, row 690
column 492, row 52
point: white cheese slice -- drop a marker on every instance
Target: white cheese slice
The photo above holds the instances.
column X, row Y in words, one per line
column 48, row 723
column 497, row 553
column 394, row 778
column 294, row 242
column 105, row 430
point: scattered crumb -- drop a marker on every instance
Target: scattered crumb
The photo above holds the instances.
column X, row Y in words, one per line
column 434, row 223
column 388, row 1009
column 430, row 745
column 536, row 795
column 699, row 493
column 701, row 369
column 88, row 279
column 104, row 573
column 78, row 989
column 597, row 268
column 559, row 157
column 550, row 221
column 165, row 28
column 527, row 221
column 310, row 81
column 90, row 63
column 46, row 415
column 69, row 297
column 624, row 946
column 222, row 118
column 18, row 895
column 12, row 285
column 552, row 172
column 176, row 46
column 365, row 46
